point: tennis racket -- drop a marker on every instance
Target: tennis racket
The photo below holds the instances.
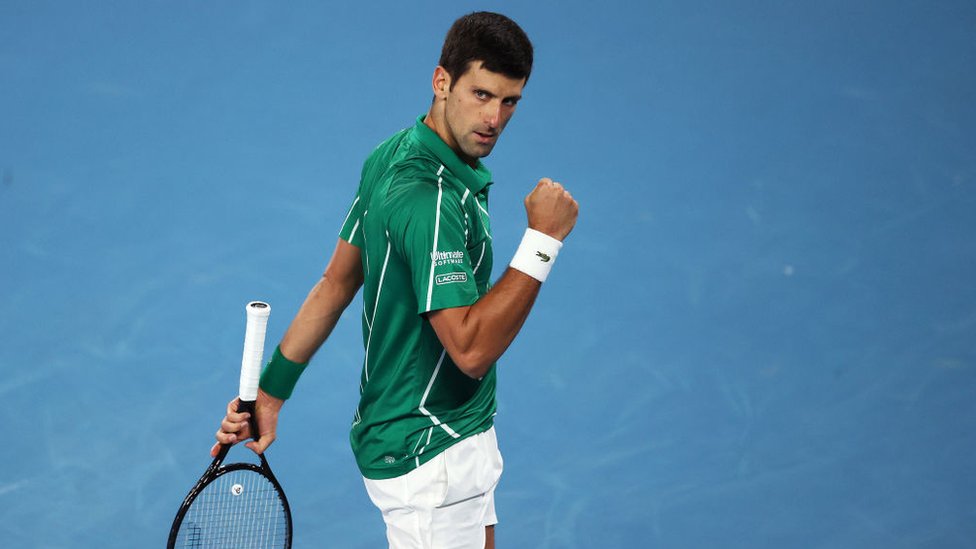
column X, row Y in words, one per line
column 240, row 505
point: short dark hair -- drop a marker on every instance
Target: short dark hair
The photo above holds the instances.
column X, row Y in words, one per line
column 495, row 40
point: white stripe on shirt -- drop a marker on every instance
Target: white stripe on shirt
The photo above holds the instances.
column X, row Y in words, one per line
column 423, row 400
column 437, row 229
column 376, row 306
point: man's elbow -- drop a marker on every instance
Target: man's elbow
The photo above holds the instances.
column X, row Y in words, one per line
column 344, row 288
column 474, row 364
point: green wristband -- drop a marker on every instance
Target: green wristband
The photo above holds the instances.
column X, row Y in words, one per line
column 280, row 375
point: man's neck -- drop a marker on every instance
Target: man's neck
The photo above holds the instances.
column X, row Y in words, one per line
column 435, row 121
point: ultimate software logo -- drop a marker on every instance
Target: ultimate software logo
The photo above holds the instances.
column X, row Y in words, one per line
column 445, row 258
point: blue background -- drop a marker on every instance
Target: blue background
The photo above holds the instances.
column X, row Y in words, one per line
column 760, row 334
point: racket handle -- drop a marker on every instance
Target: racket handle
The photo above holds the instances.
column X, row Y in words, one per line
column 252, row 421
column 257, row 325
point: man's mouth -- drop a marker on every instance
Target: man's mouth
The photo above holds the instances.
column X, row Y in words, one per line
column 484, row 137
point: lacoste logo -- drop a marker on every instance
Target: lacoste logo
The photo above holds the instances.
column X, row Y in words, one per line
column 450, row 278
column 545, row 258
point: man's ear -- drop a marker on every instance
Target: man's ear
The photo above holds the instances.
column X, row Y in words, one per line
column 441, row 82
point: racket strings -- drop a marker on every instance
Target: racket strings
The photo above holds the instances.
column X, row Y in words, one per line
column 240, row 509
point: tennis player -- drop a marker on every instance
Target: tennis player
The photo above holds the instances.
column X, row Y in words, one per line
column 417, row 239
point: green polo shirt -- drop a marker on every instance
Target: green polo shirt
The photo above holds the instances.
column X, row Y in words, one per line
column 420, row 220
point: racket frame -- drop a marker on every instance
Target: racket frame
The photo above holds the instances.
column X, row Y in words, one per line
column 257, row 318
column 217, row 470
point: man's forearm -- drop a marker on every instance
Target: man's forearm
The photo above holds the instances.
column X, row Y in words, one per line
column 314, row 322
column 325, row 303
column 476, row 336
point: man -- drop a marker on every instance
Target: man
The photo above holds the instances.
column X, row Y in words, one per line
column 417, row 239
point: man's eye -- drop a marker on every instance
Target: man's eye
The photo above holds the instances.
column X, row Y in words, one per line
column 481, row 94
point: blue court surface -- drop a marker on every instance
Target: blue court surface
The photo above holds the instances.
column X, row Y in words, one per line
column 760, row 335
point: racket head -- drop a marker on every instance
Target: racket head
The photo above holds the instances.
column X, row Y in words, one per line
column 238, row 505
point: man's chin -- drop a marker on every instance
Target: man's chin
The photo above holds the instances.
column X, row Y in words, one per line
column 479, row 151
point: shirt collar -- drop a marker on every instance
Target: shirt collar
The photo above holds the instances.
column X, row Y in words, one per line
column 475, row 179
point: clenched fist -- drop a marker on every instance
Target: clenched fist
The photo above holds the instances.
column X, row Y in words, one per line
column 551, row 209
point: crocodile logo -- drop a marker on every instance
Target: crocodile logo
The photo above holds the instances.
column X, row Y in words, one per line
column 544, row 257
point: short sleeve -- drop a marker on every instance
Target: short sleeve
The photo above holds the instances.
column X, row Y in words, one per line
column 351, row 230
column 427, row 229
column 352, row 226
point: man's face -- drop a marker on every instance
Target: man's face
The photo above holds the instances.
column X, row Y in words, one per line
column 478, row 107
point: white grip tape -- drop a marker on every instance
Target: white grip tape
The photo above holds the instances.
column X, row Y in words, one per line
column 536, row 254
column 257, row 325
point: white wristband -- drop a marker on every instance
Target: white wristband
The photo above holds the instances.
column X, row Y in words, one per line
column 536, row 254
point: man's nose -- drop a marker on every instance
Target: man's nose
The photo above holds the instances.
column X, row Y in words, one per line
column 493, row 114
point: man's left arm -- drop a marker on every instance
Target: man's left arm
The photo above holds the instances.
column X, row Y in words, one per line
column 476, row 336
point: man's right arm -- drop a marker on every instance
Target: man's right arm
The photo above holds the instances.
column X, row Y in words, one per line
column 325, row 303
column 315, row 320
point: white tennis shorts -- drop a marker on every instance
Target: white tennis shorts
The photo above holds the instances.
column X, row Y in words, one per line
column 445, row 503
